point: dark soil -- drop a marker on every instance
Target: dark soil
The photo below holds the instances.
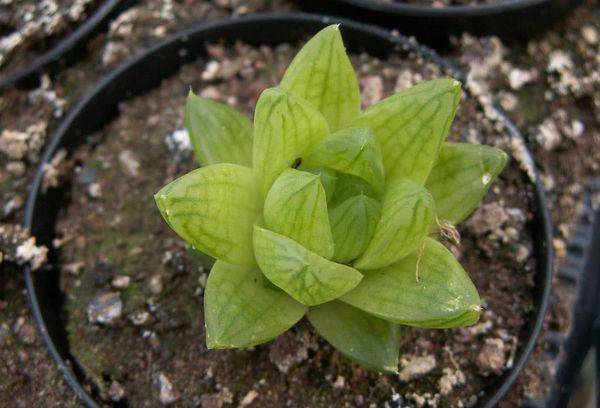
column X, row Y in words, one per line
column 111, row 230
column 29, row 28
column 554, row 101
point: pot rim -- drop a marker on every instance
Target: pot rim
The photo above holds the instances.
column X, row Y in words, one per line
column 74, row 39
column 227, row 29
column 448, row 11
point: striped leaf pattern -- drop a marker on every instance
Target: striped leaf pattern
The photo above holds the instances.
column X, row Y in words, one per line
column 327, row 177
column 438, row 295
column 241, row 311
column 411, row 127
column 304, row 275
column 364, row 338
column 296, row 207
column 219, row 134
column 462, row 176
column 214, row 208
column 352, row 151
column 322, row 74
column 353, row 225
column 407, row 214
column 348, row 186
column 285, row 127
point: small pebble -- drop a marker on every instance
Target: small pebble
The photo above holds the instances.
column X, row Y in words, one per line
column 416, row 367
column 372, row 89
column 492, row 358
column 27, row 333
column 249, row 398
column 105, row 308
column 94, row 190
column 156, row 284
column 211, row 71
column 589, row 34
column 121, row 282
column 16, row 168
column 116, row 392
column 167, row 394
column 450, row 379
column 140, row 318
column 287, row 351
column 130, row 162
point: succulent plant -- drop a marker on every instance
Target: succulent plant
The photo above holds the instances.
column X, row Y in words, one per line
column 324, row 210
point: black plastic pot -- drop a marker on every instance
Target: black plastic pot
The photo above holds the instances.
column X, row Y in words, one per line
column 144, row 72
column 509, row 19
column 69, row 45
column 582, row 271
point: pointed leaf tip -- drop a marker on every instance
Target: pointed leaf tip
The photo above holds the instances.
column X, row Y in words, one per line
column 353, row 224
column 296, row 206
column 462, row 176
column 304, row 275
column 353, row 151
column 436, row 291
column 364, row 338
column 285, row 128
column 322, row 74
column 218, row 133
column 407, row 214
column 214, row 208
column 240, row 311
column 412, row 125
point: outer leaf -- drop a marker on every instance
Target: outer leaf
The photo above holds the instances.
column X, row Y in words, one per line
column 370, row 341
column 411, row 127
column 240, row 311
column 328, row 179
column 443, row 296
column 353, row 225
column 462, row 176
column 285, row 127
column 219, row 134
column 407, row 213
column 306, row 276
column 214, row 208
column 353, row 151
column 349, row 186
column 322, row 74
column 296, row 207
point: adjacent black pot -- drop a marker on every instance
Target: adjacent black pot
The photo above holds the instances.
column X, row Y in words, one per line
column 145, row 72
column 509, row 19
column 69, row 45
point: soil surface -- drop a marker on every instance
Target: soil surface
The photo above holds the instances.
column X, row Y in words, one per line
column 550, row 88
column 29, row 28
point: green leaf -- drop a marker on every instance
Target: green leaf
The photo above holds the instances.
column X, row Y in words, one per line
column 241, row 311
column 349, row 186
column 328, row 179
column 307, row 277
column 439, row 295
column 411, row 127
column 296, row 207
column 462, row 176
column 219, row 134
column 214, row 208
column 322, row 74
column 285, row 127
column 353, row 151
column 407, row 214
column 353, row 225
column 372, row 342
